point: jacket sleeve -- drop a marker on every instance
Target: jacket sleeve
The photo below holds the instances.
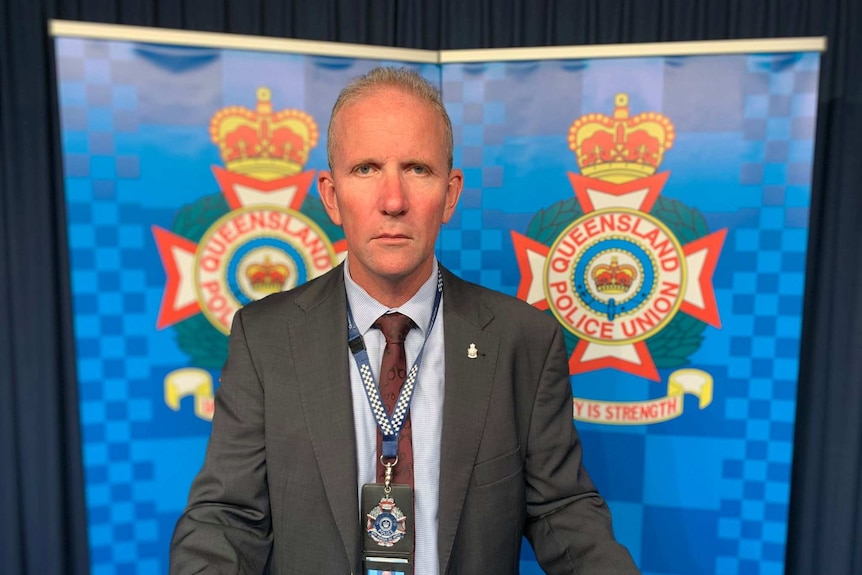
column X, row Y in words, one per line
column 568, row 522
column 226, row 526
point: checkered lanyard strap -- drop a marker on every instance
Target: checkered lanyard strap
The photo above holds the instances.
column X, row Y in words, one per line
column 390, row 424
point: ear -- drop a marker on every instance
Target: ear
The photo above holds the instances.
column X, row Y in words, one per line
column 326, row 189
column 453, row 192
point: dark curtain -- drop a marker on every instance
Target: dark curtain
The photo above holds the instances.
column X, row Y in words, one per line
column 42, row 513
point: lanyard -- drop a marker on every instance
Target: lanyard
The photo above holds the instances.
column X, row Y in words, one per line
column 389, row 425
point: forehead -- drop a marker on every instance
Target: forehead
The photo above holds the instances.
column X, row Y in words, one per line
column 388, row 122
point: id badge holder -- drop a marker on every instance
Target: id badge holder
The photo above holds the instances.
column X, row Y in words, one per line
column 389, row 536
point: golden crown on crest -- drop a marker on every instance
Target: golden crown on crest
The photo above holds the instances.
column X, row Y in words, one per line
column 267, row 277
column 620, row 148
column 263, row 144
column 613, row 278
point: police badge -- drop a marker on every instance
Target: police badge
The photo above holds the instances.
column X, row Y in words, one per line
column 386, row 523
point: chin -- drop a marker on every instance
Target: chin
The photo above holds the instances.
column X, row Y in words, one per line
column 393, row 268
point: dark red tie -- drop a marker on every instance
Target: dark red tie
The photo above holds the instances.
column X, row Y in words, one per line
column 393, row 370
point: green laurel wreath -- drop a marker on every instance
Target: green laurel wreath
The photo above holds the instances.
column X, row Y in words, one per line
column 205, row 345
column 683, row 335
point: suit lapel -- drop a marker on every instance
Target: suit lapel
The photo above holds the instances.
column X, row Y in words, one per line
column 465, row 404
column 326, row 400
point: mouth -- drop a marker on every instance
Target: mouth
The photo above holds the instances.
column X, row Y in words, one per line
column 392, row 237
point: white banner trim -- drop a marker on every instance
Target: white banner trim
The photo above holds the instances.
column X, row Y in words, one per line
column 343, row 50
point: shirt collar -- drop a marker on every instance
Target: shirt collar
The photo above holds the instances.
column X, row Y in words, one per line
column 366, row 309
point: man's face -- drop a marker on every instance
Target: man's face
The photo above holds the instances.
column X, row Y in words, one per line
column 390, row 188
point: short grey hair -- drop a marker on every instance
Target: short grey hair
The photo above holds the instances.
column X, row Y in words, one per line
column 403, row 79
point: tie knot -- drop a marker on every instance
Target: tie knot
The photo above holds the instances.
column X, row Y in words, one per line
column 394, row 326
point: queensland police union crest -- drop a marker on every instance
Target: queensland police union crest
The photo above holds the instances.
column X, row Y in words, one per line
column 615, row 276
column 261, row 234
column 626, row 271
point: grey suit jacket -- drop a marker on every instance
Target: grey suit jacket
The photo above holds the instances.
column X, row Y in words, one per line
column 278, row 489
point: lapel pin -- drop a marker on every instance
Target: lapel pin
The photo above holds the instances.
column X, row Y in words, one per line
column 472, row 352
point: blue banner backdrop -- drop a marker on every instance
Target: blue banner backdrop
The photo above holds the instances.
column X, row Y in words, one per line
column 658, row 207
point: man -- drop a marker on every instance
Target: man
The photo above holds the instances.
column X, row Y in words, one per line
column 295, row 442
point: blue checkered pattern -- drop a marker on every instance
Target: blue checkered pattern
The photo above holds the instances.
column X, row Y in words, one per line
column 400, row 412
column 705, row 493
column 388, row 426
column 766, row 289
column 116, row 297
column 713, row 491
column 476, row 243
column 377, row 407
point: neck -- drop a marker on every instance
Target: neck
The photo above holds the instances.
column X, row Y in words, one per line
column 391, row 292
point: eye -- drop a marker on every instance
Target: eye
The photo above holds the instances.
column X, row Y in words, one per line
column 419, row 170
column 363, row 169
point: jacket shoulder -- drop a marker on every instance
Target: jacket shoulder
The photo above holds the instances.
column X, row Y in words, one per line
column 505, row 308
column 301, row 298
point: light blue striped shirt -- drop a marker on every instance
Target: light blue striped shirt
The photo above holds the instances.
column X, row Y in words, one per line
column 426, row 410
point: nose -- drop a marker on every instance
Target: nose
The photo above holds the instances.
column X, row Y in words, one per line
column 392, row 196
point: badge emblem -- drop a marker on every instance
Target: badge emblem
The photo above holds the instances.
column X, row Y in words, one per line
column 386, row 523
column 626, row 271
column 262, row 233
